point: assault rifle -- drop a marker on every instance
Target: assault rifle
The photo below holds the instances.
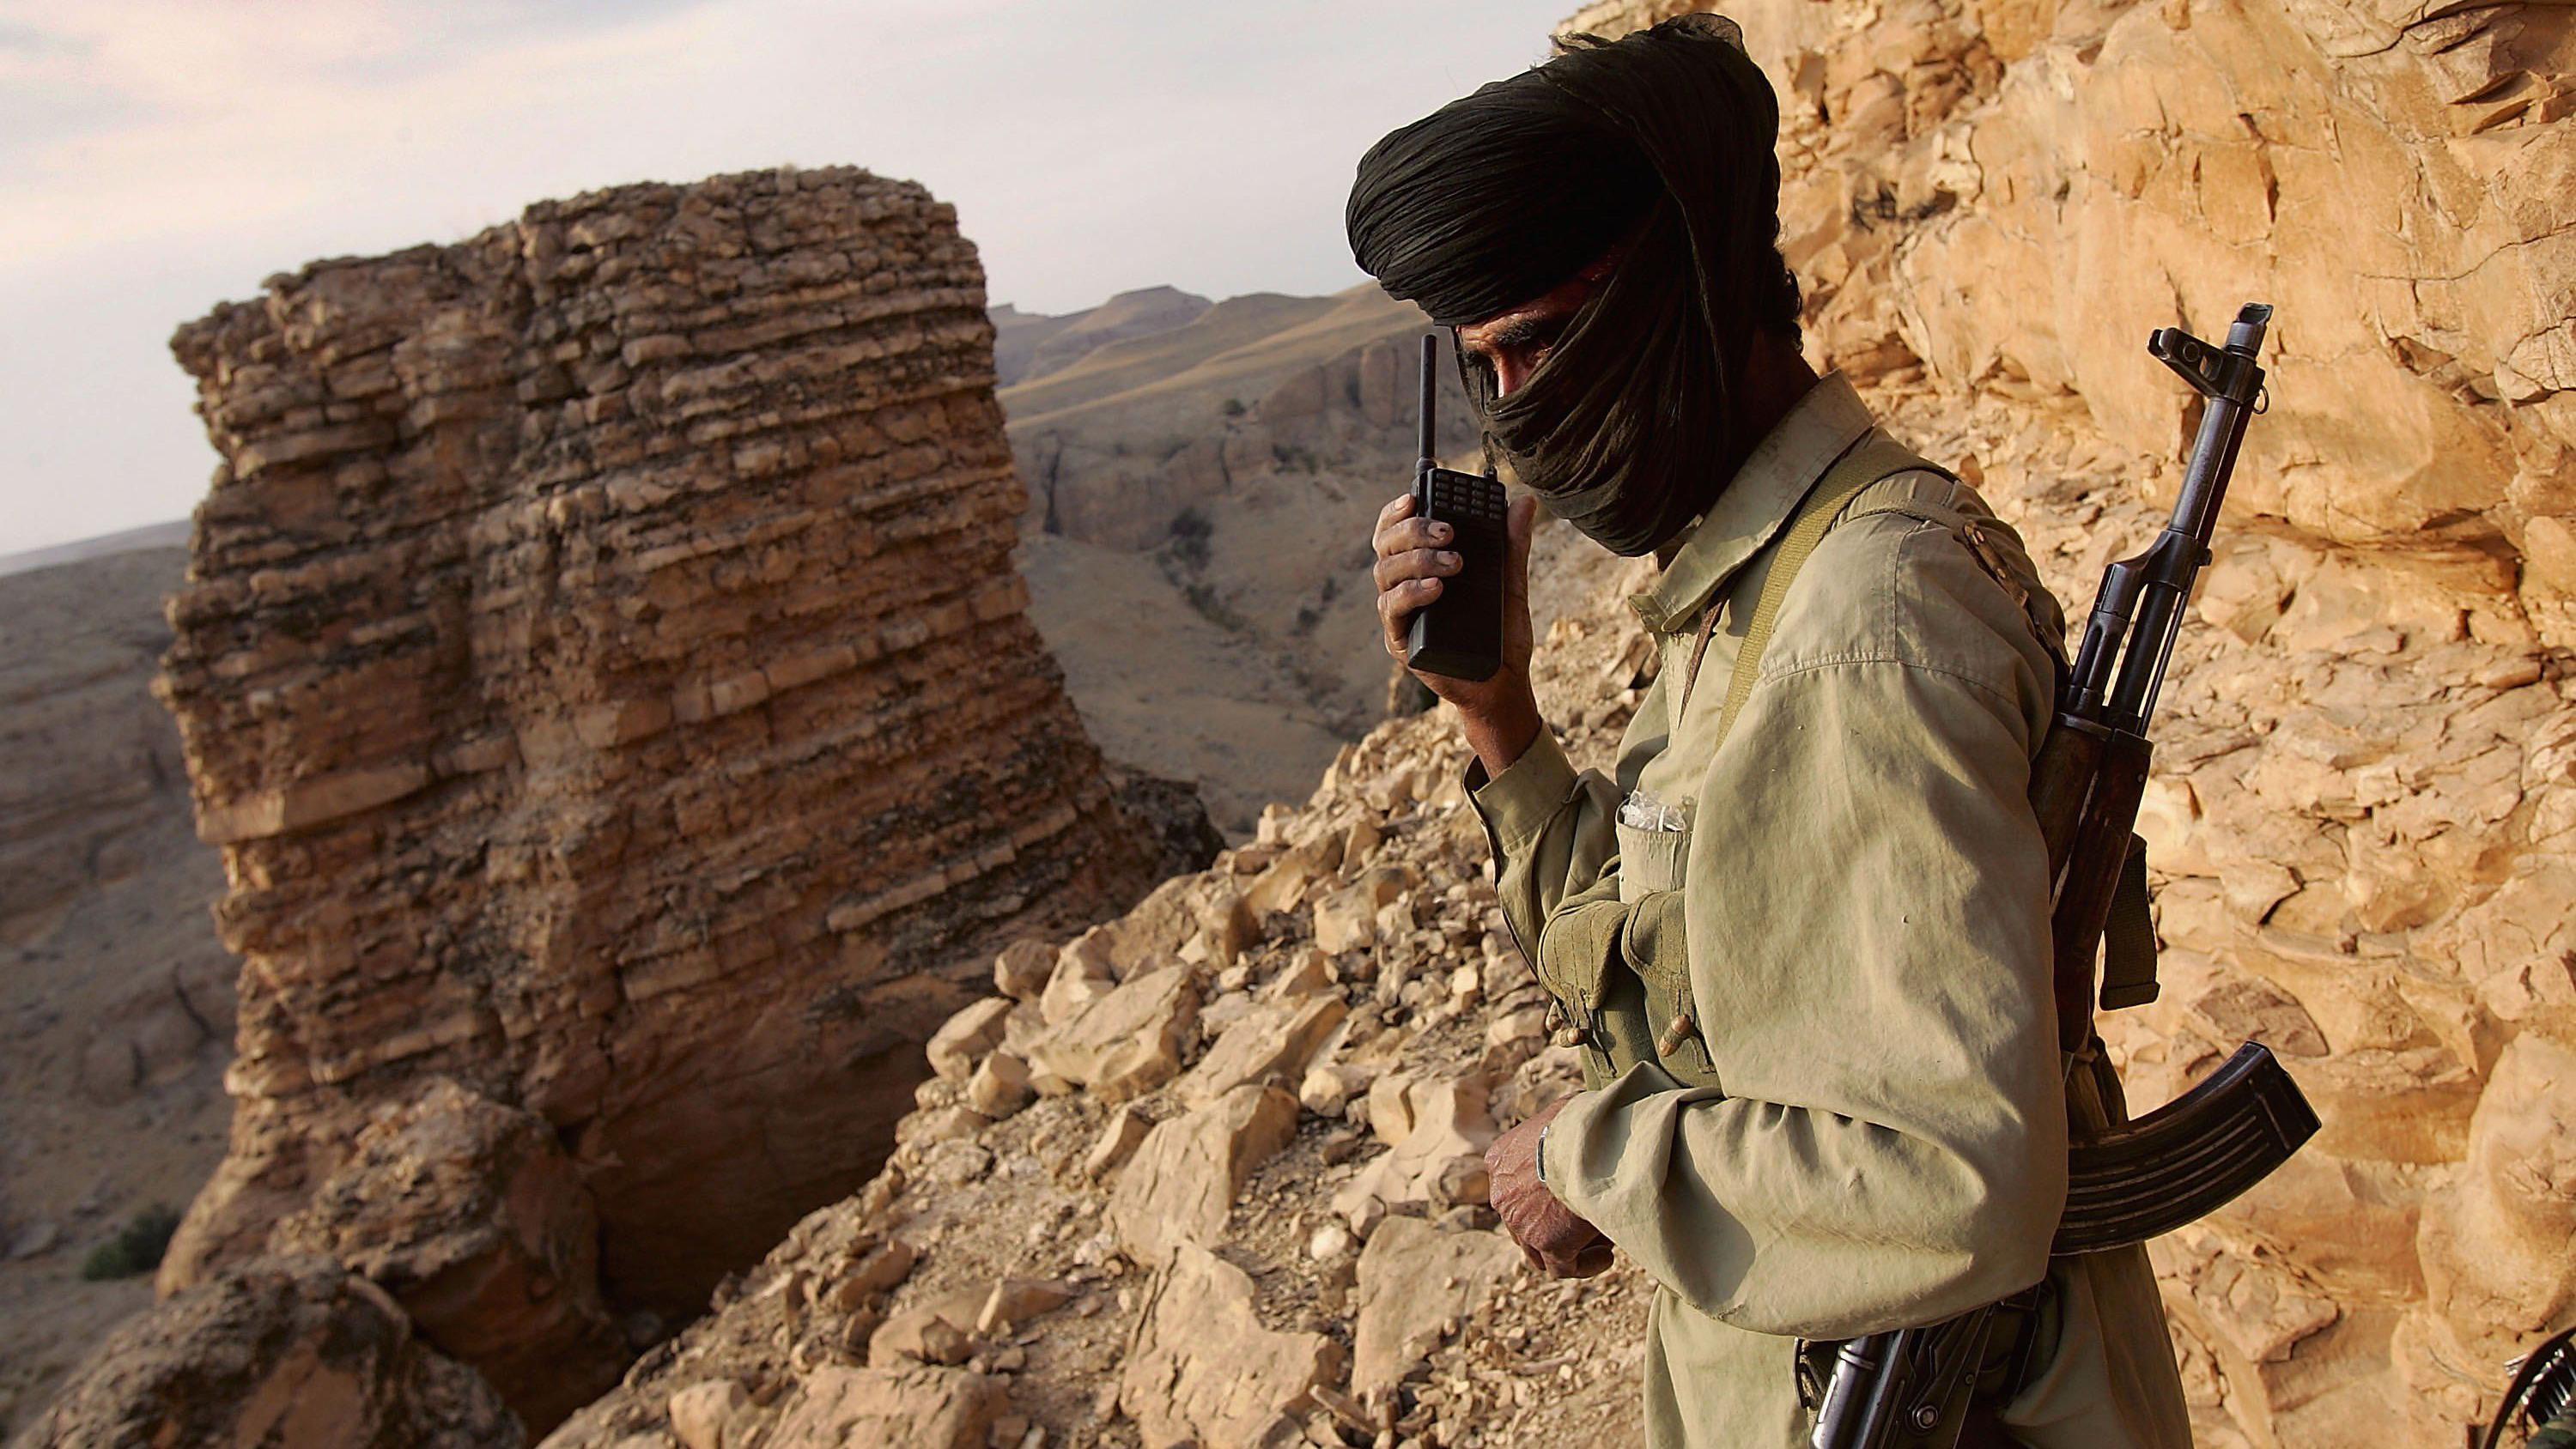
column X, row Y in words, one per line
column 1909, row 1388
column 2542, row 1395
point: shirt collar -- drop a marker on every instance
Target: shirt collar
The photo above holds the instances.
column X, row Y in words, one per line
column 1756, row 503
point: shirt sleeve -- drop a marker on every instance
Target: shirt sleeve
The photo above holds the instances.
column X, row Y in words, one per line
column 1551, row 828
column 1865, row 910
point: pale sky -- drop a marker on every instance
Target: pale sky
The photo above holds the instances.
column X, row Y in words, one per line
column 160, row 156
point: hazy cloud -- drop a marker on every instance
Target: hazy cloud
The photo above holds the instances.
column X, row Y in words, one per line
column 159, row 156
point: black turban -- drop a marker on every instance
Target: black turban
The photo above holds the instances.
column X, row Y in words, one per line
column 1659, row 142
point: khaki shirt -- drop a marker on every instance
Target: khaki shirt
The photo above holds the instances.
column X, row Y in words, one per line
column 1867, row 1129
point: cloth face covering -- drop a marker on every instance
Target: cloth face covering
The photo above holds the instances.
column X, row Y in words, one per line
column 1661, row 141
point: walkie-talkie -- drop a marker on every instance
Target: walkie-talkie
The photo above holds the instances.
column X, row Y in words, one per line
column 1459, row 634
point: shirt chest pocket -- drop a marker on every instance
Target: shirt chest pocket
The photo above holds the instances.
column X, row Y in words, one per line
column 1650, row 860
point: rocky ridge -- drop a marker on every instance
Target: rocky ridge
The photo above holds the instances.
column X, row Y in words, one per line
column 1211, row 1172
column 602, row 667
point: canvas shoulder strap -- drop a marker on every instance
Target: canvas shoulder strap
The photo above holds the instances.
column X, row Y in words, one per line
column 1874, row 457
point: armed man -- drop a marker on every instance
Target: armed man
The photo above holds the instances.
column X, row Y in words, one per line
column 1803, row 935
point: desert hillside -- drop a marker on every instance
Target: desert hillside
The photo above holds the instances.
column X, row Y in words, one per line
column 1200, row 498
column 116, row 1000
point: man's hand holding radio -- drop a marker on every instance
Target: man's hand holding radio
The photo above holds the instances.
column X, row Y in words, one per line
column 1499, row 714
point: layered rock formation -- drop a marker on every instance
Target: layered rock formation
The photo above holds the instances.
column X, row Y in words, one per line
column 603, row 669
column 2362, row 813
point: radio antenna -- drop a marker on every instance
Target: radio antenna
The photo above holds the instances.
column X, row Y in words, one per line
column 1430, row 359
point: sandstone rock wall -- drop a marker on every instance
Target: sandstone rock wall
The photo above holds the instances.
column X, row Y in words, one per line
column 603, row 667
column 2362, row 815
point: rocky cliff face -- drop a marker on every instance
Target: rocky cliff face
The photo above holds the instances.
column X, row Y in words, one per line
column 2362, row 812
column 603, row 669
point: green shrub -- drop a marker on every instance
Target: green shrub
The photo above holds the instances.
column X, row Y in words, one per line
column 136, row 1248
column 1233, row 407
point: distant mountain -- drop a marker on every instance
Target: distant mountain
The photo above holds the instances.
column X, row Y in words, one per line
column 173, row 534
column 1031, row 344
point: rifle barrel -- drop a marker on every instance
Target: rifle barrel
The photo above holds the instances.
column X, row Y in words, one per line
column 2230, row 380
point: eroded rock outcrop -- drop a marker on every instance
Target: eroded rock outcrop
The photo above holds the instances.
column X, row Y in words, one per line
column 470, row 1214
column 277, row 1351
column 604, row 671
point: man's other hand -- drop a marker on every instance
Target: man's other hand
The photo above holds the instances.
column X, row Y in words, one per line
column 1555, row 1241
column 1499, row 715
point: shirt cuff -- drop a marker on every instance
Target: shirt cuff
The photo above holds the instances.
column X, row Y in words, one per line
column 1519, row 802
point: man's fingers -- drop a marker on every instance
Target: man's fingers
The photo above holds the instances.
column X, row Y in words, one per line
column 1400, row 506
column 1407, row 535
column 1419, row 563
column 1395, row 608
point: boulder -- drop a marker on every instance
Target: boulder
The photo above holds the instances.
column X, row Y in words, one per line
column 1127, row 1041
column 1020, row 972
column 1207, row 1371
column 936, row 1330
column 1119, row 1138
column 701, row 1415
column 1181, row 1185
column 286, row 1350
column 1438, row 1132
column 958, row 1045
column 1000, row 1086
column 470, row 1214
column 1415, row 1281
column 1270, row 1044
column 1081, row 976
column 918, row 1407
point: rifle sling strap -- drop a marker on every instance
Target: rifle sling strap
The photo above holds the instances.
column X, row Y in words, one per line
column 1875, row 456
